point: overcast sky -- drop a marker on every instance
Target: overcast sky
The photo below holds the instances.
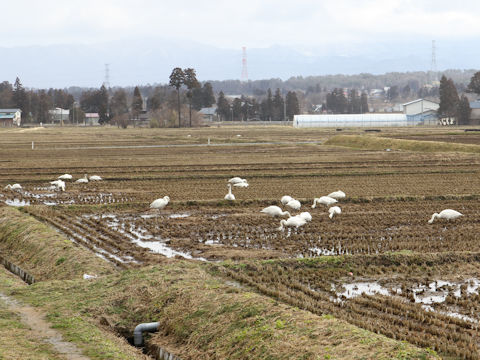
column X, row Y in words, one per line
column 232, row 24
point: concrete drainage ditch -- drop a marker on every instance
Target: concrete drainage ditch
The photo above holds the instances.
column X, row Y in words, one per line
column 17, row 270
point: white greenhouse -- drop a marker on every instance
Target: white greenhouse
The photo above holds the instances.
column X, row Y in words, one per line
column 354, row 120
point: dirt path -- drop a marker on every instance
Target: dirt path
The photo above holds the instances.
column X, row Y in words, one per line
column 41, row 329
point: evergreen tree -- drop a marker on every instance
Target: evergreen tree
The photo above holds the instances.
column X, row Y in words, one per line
column 474, row 85
column 6, row 95
column 156, row 100
column 448, row 98
column 103, row 105
column 191, row 82
column 267, row 107
column 223, row 107
column 19, row 96
column 464, row 111
column 177, row 78
column 137, row 104
column 292, row 105
column 392, row 93
column 208, row 97
column 237, row 109
column 364, row 103
column 278, row 106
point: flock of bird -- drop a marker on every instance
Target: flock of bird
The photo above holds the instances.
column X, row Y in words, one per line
column 59, row 184
column 304, row 217
column 301, row 219
column 273, row 210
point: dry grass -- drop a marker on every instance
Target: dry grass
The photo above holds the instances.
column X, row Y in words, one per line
column 381, row 143
column 43, row 252
column 204, row 317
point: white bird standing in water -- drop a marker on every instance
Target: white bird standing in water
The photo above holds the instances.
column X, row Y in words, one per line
column 334, row 210
column 447, row 214
column 324, row 200
column 59, row 184
column 160, row 203
column 294, row 221
column 274, row 211
column 229, row 196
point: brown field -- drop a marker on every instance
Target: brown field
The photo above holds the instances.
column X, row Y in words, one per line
column 409, row 280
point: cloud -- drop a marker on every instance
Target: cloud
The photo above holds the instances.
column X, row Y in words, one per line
column 233, row 24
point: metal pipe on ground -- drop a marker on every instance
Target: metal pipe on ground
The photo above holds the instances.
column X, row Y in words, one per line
column 140, row 328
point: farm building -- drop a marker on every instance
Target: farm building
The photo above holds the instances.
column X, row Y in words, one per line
column 92, row 119
column 351, row 120
column 475, row 115
column 59, row 115
column 10, row 117
column 209, row 113
column 422, row 111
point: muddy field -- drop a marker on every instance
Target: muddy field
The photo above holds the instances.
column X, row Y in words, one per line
column 390, row 196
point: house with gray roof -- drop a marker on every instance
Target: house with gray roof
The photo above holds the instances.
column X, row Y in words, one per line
column 10, row 117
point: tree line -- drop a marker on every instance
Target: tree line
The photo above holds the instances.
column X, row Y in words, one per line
column 454, row 106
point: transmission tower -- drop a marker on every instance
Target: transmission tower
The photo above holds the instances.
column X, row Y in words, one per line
column 244, row 64
column 106, row 81
column 434, row 62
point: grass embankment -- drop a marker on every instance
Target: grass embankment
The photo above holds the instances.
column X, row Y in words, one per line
column 201, row 315
column 371, row 142
column 18, row 341
column 204, row 317
column 43, row 252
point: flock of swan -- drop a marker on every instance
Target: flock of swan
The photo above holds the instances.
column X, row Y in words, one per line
column 59, row 183
column 301, row 219
column 304, row 217
column 273, row 210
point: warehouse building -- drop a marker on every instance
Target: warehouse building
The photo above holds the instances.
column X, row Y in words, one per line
column 351, row 120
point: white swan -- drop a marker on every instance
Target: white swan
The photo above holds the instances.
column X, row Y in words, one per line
column 160, row 203
column 294, row 221
column 447, row 214
column 324, row 200
column 243, row 184
column 294, row 204
column 65, row 177
column 13, row 187
column 305, row 215
column 334, row 210
column 285, row 199
column 229, row 196
column 337, row 195
column 59, row 184
column 236, row 180
column 274, row 211
column 95, row 178
column 83, row 180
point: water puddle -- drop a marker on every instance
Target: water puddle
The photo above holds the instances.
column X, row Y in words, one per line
column 17, row 202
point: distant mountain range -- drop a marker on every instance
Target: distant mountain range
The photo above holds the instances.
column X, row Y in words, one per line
column 151, row 61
